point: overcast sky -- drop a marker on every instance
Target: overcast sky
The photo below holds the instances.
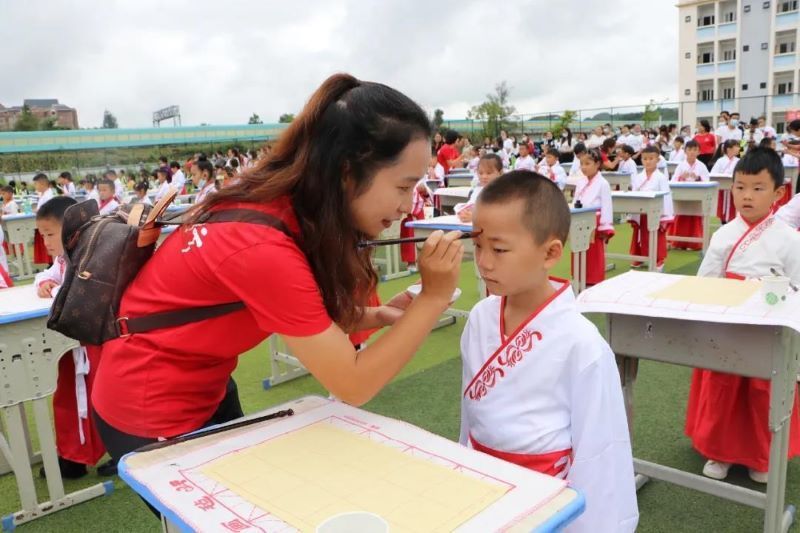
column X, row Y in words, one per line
column 222, row 61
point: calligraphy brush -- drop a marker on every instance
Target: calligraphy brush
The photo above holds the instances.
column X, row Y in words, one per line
column 387, row 242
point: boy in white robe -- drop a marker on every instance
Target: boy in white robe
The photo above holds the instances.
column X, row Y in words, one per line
column 790, row 213
column 651, row 179
column 727, row 417
column 540, row 385
column 108, row 202
column 551, row 168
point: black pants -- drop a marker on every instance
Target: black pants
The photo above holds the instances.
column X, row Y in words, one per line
column 118, row 443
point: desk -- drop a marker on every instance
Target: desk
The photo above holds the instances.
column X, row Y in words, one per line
column 697, row 198
column 29, row 354
column 175, row 478
column 618, row 180
column 725, row 181
column 391, row 262
column 19, row 230
column 448, row 197
column 459, row 179
column 753, row 340
column 671, row 166
column 581, row 228
column 641, row 203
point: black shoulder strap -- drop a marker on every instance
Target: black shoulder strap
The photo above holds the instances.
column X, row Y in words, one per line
column 170, row 319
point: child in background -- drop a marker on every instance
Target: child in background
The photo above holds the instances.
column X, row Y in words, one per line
column 202, row 178
column 625, row 155
column 725, row 165
column 9, row 206
column 677, row 155
column 575, row 168
column 540, row 386
column 551, row 168
column 108, row 202
column 119, row 188
column 651, row 179
column 728, row 416
column 162, row 182
column 178, row 177
column 140, row 194
column 41, row 184
column 592, row 190
column 489, row 169
column 690, row 170
column 421, row 197
column 524, row 161
column 66, row 184
column 89, row 186
column 77, row 441
column 436, row 170
column 474, row 159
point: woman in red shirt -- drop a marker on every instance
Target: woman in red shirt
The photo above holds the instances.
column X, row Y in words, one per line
column 343, row 171
column 707, row 141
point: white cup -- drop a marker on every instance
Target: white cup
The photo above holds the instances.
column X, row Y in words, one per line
column 774, row 289
column 360, row 522
column 428, row 210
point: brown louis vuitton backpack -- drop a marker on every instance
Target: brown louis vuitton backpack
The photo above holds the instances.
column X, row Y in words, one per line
column 103, row 255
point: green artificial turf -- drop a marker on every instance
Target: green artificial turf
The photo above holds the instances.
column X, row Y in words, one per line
column 426, row 393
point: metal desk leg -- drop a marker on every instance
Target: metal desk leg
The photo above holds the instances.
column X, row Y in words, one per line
column 35, row 457
column 19, row 454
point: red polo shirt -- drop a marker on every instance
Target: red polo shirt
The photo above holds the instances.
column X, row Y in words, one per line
column 446, row 153
column 170, row 381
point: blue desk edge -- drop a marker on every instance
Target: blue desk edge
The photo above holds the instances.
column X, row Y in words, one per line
column 565, row 516
column 19, row 317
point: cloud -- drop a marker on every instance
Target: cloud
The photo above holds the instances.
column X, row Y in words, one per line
column 222, row 62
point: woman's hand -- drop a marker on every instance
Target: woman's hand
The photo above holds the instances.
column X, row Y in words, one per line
column 391, row 311
column 440, row 266
column 45, row 288
column 465, row 215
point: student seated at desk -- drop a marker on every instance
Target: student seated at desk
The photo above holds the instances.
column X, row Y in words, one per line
column 489, row 169
column 108, row 202
column 202, row 178
column 140, row 194
column 525, row 161
column 626, row 165
column 725, row 165
column 420, row 198
column 592, row 190
column 88, row 184
column 77, row 441
column 551, row 168
column 728, row 416
column 66, row 184
column 651, row 179
column 540, row 386
column 689, row 170
column 575, row 167
column 677, row 155
column 41, row 183
column 436, row 170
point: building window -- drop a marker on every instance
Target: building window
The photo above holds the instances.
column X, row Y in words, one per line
column 787, row 5
column 687, row 92
column 688, row 18
column 706, row 95
column 784, row 48
column 688, row 55
column 705, row 58
column 766, row 5
column 747, row 8
column 729, row 93
column 707, row 20
column 729, row 55
column 730, row 16
column 764, row 46
column 744, row 86
column 785, row 87
column 762, row 85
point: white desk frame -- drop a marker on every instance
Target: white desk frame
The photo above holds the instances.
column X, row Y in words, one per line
column 618, row 180
column 19, row 231
column 448, row 197
column 29, row 354
column 641, row 203
column 698, row 198
column 703, row 340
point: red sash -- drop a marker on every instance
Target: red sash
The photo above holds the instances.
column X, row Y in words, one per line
column 554, row 464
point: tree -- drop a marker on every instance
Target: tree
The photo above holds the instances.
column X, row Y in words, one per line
column 49, row 123
column 109, row 120
column 564, row 121
column 438, row 119
column 651, row 114
column 27, row 121
column 495, row 110
column 255, row 119
column 286, row 118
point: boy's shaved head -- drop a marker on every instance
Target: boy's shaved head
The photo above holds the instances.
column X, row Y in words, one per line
column 546, row 213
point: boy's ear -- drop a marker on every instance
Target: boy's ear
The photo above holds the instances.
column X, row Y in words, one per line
column 554, row 250
column 779, row 192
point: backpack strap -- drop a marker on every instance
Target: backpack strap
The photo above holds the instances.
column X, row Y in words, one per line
column 170, row 319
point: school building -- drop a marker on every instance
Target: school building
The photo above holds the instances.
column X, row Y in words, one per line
column 738, row 55
column 41, row 108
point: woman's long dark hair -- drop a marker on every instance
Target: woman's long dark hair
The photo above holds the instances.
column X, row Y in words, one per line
column 348, row 129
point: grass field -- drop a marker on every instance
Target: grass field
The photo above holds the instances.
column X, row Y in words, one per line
column 426, row 393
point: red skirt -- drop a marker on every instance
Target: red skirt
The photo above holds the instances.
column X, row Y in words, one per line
column 640, row 241
column 595, row 261
column 687, row 226
column 726, row 211
column 40, row 255
column 728, row 419
column 65, row 412
column 408, row 250
column 5, row 279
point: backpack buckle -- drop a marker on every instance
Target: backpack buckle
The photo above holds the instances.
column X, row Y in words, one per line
column 122, row 326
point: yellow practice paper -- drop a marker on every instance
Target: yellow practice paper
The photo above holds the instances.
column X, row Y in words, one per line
column 314, row 473
column 709, row 291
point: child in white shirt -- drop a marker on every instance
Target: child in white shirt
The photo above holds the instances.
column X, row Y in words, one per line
column 626, row 163
column 551, row 168
column 677, row 154
column 66, row 184
column 524, row 161
column 651, row 179
column 108, row 203
column 725, row 165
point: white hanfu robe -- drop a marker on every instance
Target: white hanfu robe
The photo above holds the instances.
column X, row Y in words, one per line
column 109, row 206
column 549, row 398
column 790, row 213
column 556, row 173
column 525, row 163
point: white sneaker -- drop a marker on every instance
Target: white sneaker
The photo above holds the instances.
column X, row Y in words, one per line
column 716, row 469
column 758, row 477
